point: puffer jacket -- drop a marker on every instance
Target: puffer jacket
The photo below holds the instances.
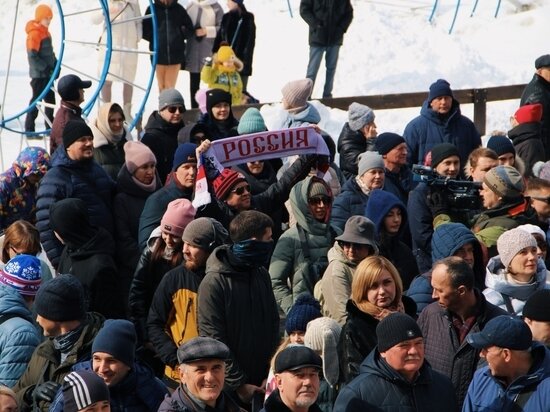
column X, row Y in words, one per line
column 334, row 289
column 446, row 354
column 82, row 180
column 17, row 194
column 45, row 362
column 507, row 295
column 139, row 391
column 350, row 145
column 351, row 201
column 528, row 144
column 429, row 129
column 288, row 264
column 18, row 335
column 429, row 392
column 40, row 52
column 538, row 91
column 487, row 393
column 328, row 20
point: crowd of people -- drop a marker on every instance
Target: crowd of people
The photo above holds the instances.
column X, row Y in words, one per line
column 144, row 275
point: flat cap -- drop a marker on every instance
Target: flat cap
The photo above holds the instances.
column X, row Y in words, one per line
column 202, row 348
column 297, row 357
column 542, row 61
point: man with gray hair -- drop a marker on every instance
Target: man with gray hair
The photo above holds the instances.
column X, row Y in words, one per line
column 459, row 309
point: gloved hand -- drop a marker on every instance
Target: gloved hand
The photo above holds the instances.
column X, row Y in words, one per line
column 437, row 202
column 45, row 391
column 208, row 61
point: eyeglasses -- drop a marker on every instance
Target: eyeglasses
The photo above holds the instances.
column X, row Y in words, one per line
column 173, row 109
column 318, row 199
column 240, row 190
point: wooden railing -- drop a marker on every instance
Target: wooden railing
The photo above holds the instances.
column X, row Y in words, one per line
column 477, row 97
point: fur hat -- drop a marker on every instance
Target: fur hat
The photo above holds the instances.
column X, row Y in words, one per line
column 117, row 337
column 501, row 145
column 385, row 142
column 439, row 88
column 43, row 11
column 322, row 335
column 296, row 94
column 441, row 152
column 251, row 122
column 396, row 328
column 22, row 273
column 505, row 181
column 529, row 113
column 359, row 115
column 178, row 215
column 206, row 233
column 215, row 96
column 74, row 130
column 137, row 154
column 225, row 181
column 69, row 87
column 513, row 241
column 368, row 161
column 61, row 299
column 305, row 309
column 170, row 97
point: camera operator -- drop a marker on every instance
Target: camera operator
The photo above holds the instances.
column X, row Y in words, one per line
column 445, row 162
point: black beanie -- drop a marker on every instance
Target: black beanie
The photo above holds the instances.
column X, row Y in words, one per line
column 387, row 141
column 118, row 338
column 396, row 328
column 215, row 96
column 439, row 88
column 537, row 306
column 70, row 219
column 441, row 152
column 61, row 299
column 74, row 130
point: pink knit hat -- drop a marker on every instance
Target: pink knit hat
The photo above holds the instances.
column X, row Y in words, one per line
column 178, row 215
column 137, row 154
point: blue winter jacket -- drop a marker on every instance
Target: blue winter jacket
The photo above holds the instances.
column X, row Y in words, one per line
column 18, row 336
column 84, row 180
column 139, row 391
column 429, row 129
column 488, row 394
column 421, row 225
column 351, row 201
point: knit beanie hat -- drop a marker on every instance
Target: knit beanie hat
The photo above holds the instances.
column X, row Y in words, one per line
column 251, row 122
column 185, row 153
column 170, row 97
column 70, row 219
column 118, row 338
column 368, row 161
column 542, row 170
column 200, row 98
column 513, row 241
column 296, row 93
column 439, row 88
column 215, row 96
column 533, row 229
column 137, row 154
column 322, row 335
column 505, row 181
column 74, row 130
column 441, row 152
column 385, row 142
column 82, row 389
column 305, row 309
column 61, row 299
column 225, row 181
column 396, row 328
column 542, row 61
column 43, row 11
column 501, row 145
column 206, row 233
column 178, row 215
column 537, row 306
column 317, row 188
column 529, row 113
column 23, row 273
column 359, row 115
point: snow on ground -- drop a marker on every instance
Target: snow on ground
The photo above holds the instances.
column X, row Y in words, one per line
column 390, row 47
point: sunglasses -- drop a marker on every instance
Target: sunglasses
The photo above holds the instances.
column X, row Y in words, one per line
column 174, row 109
column 240, row 190
column 318, row 199
column 349, row 245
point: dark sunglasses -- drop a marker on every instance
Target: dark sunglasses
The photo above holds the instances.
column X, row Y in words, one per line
column 348, row 245
column 240, row 190
column 174, row 109
column 318, row 199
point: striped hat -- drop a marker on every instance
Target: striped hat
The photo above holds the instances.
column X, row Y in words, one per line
column 82, row 389
column 22, row 273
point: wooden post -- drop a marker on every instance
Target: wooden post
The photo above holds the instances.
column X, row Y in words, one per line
column 480, row 109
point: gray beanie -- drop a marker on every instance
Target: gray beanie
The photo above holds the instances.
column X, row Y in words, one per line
column 513, row 241
column 359, row 115
column 170, row 97
column 205, row 233
column 322, row 335
column 368, row 161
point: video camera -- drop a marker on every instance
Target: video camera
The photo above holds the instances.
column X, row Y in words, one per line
column 461, row 195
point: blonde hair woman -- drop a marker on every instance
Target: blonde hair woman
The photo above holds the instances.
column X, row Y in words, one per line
column 376, row 291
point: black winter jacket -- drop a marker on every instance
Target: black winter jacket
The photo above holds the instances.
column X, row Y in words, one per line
column 350, row 145
column 216, row 129
column 528, row 144
column 111, row 157
column 380, row 388
column 446, row 354
column 274, row 403
column 538, row 91
column 328, row 20
column 238, row 308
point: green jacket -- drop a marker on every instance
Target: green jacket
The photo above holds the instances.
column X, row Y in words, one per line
column 290, row 272
column 44, row 364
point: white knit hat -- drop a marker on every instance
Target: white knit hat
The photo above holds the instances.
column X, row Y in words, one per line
column 322, row 335
column 513, row 241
